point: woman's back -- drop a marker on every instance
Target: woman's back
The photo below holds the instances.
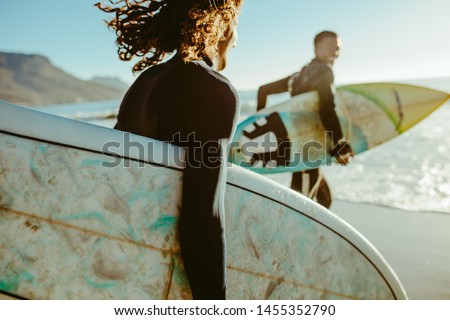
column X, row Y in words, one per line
column 174, row 99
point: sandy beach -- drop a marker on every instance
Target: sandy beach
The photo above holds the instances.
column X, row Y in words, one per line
column 415, row 244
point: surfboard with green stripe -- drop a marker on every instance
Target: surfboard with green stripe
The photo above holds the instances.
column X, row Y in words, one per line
column 290, row 136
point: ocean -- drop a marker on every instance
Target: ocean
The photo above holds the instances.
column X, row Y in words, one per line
column 410, row 172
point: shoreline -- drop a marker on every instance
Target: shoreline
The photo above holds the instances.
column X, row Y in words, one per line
column 416, row 244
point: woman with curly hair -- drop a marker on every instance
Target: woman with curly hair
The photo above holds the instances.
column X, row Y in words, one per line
column 185, row 101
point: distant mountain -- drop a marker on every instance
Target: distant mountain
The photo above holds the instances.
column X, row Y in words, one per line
column 113, row 82
column 32, row 80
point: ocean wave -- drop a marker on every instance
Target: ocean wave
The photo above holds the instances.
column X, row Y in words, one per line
column 410, row 172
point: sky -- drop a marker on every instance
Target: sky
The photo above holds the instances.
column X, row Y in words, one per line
column 382, row 40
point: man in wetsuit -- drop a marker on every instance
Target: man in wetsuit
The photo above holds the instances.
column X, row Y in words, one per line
column 315, row 76
column 185, row 101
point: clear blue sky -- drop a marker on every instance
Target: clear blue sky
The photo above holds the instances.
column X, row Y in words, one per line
column 381, row 40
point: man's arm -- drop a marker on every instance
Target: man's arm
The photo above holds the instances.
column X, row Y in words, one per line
column 327, row 110
column 325, row 88
column 279, row 86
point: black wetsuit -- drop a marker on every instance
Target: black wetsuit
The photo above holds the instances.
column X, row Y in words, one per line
column 315, row 76
column 318, row 76
column 192, row 106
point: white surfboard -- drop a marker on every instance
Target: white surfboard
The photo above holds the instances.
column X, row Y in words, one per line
column 291, row 137
column 73, row 227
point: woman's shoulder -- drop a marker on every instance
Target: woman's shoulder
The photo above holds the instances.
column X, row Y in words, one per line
column 204, row 78
column 205, row 71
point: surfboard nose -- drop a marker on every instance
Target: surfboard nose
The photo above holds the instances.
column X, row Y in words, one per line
column 422, row 102
column 405, row 104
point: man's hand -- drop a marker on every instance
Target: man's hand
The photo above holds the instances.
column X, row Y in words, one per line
column 342, row 152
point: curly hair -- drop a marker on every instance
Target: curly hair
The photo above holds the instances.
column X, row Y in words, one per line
column 153, row 28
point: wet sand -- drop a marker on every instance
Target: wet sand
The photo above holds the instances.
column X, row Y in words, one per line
column 415, row 244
